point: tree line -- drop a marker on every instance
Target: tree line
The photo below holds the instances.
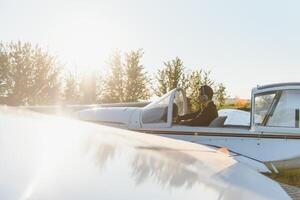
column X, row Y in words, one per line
column 31, row 76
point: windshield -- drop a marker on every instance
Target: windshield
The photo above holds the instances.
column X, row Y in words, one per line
column 157, row 111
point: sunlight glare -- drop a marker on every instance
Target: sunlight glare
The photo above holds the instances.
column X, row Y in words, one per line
column 86, row 41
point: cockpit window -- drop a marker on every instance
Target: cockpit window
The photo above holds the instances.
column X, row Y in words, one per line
column 157, row 111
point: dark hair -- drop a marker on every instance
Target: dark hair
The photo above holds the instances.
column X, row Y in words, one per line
column 207, row 90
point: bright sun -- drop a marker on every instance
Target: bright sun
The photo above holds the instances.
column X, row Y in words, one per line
column 84, row 43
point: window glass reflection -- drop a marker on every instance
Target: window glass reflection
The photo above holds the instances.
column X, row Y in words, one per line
column 284, row 114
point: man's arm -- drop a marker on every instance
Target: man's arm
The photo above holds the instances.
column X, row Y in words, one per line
column 200, row 120
column 188, row 116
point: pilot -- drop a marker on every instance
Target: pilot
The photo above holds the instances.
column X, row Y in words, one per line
column 206, row 114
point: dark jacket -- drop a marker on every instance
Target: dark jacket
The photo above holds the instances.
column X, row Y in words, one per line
column 201, row 117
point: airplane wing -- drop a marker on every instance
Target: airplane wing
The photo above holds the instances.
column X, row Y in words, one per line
column 50, row 157
column 71, row 109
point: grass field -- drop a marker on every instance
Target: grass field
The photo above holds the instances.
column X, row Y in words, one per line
column 290, row 177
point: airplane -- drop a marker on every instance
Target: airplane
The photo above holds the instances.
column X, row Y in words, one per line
column 52, row 157
column 266, row 139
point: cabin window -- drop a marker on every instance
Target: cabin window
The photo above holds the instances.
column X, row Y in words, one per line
column 286, row 112
column 262, row 106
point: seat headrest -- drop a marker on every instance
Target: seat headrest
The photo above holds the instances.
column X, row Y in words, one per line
column 218, row 122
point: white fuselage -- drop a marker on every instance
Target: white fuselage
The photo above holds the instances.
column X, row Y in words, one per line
column 268, row 135
column 273, row 149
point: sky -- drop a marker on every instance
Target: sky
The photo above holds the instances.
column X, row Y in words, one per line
column 242, row 43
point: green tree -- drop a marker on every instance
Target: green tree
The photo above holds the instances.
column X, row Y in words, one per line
column 170, row 77
column 220, row 95
column 114, row 83
column 29, row 75
column 135, row 78
column 5, row 79
column 71, row 92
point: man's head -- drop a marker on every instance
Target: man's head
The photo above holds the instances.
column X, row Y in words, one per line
column 205, row 94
